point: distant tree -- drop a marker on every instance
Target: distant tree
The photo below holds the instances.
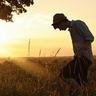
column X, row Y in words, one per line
column 9, row 6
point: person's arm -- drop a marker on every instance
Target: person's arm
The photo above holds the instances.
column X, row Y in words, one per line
column 85, row 32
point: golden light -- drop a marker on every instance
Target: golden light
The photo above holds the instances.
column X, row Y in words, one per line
column 4, row 52
column 4, row 39
column 3, row 32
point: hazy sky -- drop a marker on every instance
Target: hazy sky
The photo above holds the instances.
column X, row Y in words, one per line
column 36, row 25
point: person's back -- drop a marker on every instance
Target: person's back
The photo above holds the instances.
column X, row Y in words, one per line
column 81, row 39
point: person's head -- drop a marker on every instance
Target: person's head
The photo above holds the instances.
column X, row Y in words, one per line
column 60, row 21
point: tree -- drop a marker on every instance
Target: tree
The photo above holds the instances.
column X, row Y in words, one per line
column 9, row 6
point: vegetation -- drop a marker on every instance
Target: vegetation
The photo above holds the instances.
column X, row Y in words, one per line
column 9, row 6
column 15, row 81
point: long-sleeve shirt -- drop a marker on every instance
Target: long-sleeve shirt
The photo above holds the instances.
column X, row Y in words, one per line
column 81, row 39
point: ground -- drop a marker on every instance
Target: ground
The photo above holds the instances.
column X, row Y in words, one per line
column 29, row 76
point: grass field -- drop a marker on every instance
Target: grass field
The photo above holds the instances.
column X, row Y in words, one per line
column 39, row 77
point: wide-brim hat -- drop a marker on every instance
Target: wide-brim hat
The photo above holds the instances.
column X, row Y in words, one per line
column 57, row 18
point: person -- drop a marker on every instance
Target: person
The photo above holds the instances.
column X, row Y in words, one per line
column 81, row 40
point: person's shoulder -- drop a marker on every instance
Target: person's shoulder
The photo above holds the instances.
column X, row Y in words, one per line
column 76, row 22
column 79, row 23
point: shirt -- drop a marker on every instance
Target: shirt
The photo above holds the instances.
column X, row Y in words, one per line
column 81, row 39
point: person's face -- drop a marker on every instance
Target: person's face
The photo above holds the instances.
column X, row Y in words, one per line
column 61, row 26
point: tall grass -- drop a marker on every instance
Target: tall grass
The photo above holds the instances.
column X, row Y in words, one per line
column 18, row 81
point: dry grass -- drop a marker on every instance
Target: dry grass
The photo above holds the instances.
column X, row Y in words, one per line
column 15, row 81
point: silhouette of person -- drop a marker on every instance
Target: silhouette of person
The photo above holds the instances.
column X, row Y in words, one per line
column 81, row 40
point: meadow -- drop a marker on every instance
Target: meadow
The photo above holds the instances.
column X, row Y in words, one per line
column 30, row 76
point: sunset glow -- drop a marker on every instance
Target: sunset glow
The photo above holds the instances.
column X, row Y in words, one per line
column 36, row 25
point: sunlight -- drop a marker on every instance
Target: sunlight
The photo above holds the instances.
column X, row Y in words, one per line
column 36, row 25
column 4, row 36
column 34, row 68
column 4, row 52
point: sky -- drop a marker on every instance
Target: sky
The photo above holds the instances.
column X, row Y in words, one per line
column 36, row 26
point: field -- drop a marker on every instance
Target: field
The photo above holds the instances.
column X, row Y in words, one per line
column 31, row 76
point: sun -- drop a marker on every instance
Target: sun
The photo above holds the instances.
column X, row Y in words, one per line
column 4, row 52
column 4, row 36
column 4, row 39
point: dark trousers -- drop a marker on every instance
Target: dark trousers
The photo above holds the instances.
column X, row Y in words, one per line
column 77, row 69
